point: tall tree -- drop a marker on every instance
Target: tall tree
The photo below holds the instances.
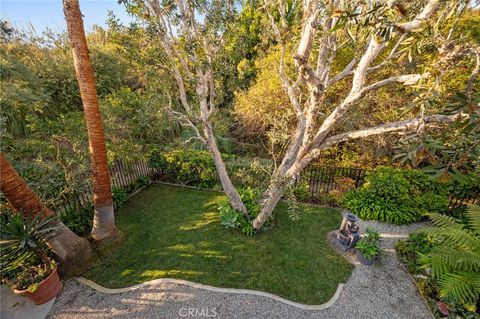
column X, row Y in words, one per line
column 191, row 36
column 71, row 249
column 104, row 219
column 372, row 28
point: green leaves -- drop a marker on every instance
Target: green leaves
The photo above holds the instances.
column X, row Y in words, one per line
column 453, row 152
column 23, row 237
column 397, row 196
column 368, row 245
column 455, row 258
column 229, row 217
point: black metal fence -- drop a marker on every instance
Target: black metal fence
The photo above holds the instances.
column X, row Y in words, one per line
column 320, row 180
column 472, row 198
column 324, row 179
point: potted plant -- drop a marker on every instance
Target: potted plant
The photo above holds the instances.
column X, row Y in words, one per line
column 26, row 261
column 367, row 247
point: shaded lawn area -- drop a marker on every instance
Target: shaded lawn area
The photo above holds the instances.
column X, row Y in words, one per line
column 174, row 232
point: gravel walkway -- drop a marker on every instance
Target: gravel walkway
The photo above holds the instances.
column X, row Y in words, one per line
column 383, row 291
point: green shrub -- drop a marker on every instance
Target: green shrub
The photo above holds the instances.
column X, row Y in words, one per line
column 368, row 245
column 196, row 168
column 398, row 196
column 430, row 194
column 230, row 217
column 301, row 191
column 79, row 220
column 409, row 250
column 189, row 167
column 445, row 262
column 251, row 198
column 120, row 196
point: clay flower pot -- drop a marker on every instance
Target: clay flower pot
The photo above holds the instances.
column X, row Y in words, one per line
column 48, row 289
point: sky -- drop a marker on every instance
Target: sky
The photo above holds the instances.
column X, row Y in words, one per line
column 49, row 13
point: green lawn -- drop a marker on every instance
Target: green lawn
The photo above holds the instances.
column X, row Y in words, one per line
column 174, row 232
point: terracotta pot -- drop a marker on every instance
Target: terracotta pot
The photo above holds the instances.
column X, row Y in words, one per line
column 48, row 289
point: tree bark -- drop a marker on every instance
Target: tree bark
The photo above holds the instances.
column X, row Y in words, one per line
column 227, row 185
column 72, row 250
column 104, row 219
column 275, row 191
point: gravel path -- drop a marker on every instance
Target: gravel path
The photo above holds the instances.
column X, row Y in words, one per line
column 383, row 291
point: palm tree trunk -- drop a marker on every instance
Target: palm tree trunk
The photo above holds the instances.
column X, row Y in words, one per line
column 104, row 220
column 72, row 250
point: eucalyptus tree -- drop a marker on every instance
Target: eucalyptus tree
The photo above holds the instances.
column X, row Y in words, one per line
column 192, row 36
column 379, row 32
column 71, row 249
column 104, row 219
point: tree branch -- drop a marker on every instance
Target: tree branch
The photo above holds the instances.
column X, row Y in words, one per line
column 389, row 128
column 185, row 121
column 468, row 88
column 418, row 21
column 370, row 54
column 407, row 79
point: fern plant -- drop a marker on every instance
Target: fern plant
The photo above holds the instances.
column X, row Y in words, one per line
column 455, row 258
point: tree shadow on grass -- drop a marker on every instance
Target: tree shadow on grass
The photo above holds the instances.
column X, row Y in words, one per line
column 173, row 232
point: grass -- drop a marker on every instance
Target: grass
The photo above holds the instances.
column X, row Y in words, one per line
column 174, row 232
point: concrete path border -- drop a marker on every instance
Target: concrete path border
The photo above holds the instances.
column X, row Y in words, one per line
column 323, row 306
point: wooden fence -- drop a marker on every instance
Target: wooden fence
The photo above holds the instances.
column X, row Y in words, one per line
column 122, row 176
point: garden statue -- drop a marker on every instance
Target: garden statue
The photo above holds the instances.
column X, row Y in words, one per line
column 348, row 234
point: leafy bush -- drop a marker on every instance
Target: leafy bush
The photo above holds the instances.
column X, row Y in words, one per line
column 120, row 196
column 138, row 184
column 397, row 196
column 409, row 250
column 196, row 168
column 368, row 245
column 189, row 167
column 230, row 217
column 79, row 220
column 251, row 198
column 300, row 191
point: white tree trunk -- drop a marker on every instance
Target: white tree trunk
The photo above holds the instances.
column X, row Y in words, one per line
column 275, row 191
column 305, row 144
column 227, row 185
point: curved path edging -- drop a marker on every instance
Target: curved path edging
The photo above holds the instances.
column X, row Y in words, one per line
column 323, row 306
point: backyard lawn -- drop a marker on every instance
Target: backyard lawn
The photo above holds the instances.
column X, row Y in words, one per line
column 174, row 232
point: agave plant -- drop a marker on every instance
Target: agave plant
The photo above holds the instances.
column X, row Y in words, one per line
column 22, row 239
column 455, row 259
